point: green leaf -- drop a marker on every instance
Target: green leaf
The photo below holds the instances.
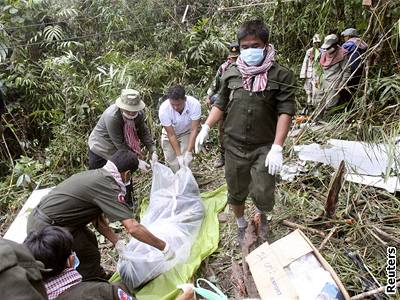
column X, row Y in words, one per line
column 13, row 10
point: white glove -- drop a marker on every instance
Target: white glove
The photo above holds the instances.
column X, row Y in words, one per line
column 144, row 166
column 187, row 158
column 120, row 246
column 201, row 138
column 154, row 157
column 274, row 159
column 180, row 161
column 168, row 252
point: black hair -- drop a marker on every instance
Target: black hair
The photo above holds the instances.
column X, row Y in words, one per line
column 176, row 92
column 125, row 160
column 253, row 27
column 52, row 246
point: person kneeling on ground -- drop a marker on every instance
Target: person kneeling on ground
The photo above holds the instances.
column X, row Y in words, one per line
column 86, row 197
column 180, row 117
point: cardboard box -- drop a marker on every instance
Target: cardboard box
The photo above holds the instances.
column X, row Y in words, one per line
column 271, row 265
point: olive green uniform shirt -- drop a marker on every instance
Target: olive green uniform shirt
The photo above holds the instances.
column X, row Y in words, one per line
column 251, row 117
column 78, row 200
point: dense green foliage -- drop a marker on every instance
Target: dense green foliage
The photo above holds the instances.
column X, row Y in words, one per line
column 63, row 62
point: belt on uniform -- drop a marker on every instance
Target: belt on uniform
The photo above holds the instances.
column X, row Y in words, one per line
column 42, row 216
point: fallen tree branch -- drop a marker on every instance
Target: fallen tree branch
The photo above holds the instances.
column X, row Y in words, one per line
column 333, row 193
column 333, row 230
column 372, row 292
column 298, row 226
column 386, row 235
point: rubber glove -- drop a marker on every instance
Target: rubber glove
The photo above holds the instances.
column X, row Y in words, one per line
column 168, row 252
column 187, row 158
column 154, row 157
column 144, row 166
column 201, row 137
column 180, row 161
column 120, row 246
column 274, row 159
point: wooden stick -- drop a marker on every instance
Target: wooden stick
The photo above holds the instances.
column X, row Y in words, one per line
column 372, row 292
column 386, row 235
column 378, row 238
column 333, row 230
column 297, row 226
column 333, row 193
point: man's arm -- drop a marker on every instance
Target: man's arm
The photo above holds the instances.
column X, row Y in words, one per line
column 193, row 134
column 139, row 232
column 173, row 140
column 101, row 225
column 282, row 129
column 214, row 116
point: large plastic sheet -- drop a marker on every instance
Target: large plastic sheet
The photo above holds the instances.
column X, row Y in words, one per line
column 370, row 164
column 174, row 215
column 164, row 286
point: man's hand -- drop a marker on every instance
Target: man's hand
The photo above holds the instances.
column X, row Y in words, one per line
column 274, row 159
column 201, row 137
column 188, row 295
column 180, row 160
column 168, row 252
column 187, row 158
column 120, row 246
column 144, row 166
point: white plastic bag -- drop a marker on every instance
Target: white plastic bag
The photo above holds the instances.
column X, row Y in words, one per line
column 174, row 215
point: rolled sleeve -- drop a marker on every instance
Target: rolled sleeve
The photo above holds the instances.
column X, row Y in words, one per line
column 285, row 103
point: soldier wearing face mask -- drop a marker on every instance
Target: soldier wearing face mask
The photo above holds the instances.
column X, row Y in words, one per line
column 257, row 97
column 336, row 71
column 121, row 126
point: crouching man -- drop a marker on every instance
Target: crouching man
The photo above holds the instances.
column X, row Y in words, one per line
column 180, row 117
column 87, row 197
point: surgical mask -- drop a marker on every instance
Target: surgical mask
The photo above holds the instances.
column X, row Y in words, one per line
column 130, row 117
column 252, row 56
column 76, row 261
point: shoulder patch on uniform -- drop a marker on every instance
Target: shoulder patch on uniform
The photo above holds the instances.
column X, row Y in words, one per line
column 122, row 295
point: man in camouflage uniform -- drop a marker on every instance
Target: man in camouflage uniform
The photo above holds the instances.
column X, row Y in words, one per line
column 257, row 96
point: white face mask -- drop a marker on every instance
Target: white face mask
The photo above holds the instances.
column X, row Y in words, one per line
column 130, row 117
column 76, row 261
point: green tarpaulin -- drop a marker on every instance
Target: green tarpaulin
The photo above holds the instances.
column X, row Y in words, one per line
column 164, row 286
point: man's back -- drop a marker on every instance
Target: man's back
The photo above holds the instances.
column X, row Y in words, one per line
column 83, row 196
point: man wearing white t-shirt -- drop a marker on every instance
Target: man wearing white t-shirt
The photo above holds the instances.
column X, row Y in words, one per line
column 180, row 117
